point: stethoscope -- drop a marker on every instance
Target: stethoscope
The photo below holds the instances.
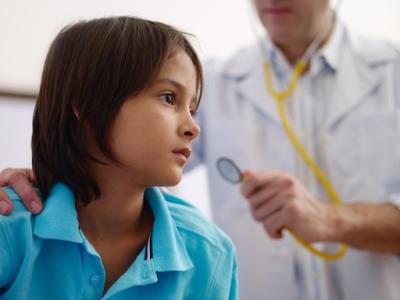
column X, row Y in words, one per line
column 232, row 173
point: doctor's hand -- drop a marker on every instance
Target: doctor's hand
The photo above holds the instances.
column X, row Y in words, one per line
column 21, row 181
column 279, row 201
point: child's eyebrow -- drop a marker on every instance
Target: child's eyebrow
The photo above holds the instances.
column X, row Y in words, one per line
column 175, row 83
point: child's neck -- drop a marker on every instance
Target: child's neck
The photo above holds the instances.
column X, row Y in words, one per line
column 117, row 224
column 118, row 212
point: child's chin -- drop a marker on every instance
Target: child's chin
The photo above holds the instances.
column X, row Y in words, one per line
column 176, row 181
column 173, row 180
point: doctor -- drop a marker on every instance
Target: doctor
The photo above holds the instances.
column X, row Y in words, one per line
column 346, row 112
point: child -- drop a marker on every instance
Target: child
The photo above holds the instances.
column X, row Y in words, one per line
column 113, row 120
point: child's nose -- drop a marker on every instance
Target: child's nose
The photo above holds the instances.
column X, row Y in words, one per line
column 190, row 129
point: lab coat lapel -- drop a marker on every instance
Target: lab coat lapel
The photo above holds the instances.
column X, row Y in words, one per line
column 247, row 71
column 252, row 88
column 362, row 82
column 361, row 71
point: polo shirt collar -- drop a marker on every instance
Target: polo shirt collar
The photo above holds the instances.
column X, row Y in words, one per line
column 59, row 221
column 165, row 251
column 169, row 252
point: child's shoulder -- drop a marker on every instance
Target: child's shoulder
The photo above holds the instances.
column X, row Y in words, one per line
column 190, row 221
column 16, row 235
column 18, row 206
column 20, row 219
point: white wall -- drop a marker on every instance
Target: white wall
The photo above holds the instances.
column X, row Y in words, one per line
column 27, row 27
column 221, row 26
column 15, row 132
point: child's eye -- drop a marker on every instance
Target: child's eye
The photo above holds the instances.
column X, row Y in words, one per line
column 168, row 98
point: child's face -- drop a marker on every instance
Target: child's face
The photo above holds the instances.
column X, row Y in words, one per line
column 153, row 132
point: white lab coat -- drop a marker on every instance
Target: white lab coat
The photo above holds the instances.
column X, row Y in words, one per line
column 362, row 159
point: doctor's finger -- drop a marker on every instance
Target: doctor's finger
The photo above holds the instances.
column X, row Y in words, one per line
column 9, row 175
column 267, row 191
column 6, row 205
column 21, row 181
column 255, row 181
column 270, row 207
column 275, row 224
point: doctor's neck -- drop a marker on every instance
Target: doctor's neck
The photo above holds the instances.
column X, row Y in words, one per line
column 294, row 50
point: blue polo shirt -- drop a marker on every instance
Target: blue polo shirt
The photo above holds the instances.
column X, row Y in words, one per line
column 48, row 257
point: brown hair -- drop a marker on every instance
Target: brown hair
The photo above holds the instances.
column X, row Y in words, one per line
column 90, row 70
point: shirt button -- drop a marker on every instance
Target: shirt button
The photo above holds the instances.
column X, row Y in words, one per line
column 95, row 279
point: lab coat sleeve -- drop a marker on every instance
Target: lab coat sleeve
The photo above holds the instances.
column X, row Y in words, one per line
column 397, row 86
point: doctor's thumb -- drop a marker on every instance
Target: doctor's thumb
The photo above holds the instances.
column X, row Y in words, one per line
column 245, row 188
